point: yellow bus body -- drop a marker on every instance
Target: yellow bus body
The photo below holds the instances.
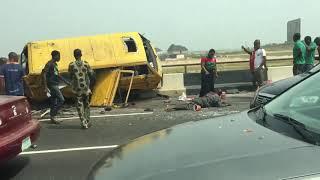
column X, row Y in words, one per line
column 124, row 51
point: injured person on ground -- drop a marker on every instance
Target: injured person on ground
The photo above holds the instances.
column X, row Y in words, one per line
column 211, row 99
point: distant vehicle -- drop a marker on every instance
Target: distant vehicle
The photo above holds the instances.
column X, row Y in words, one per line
column 18, row 131
column 269, row 91
column 278, row 141
column 124, row 60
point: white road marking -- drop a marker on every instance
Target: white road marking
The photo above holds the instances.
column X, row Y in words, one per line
column 101, row 116
column 69, row 150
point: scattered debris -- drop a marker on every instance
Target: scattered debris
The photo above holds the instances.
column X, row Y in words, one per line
column 163, row 96
column 148, row 94
column 45, row 113
column 125, row 105
column 248, row 131
column 148, row 110
column 167, row 101
column 107, row 108
column 102, row 112
column 233, row 91
column 116, row 106
column 184, row 97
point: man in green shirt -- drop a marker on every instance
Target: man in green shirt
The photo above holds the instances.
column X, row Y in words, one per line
column 299, row 54
column 310, row 53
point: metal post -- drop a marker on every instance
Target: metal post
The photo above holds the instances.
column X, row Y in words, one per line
column 129, row 89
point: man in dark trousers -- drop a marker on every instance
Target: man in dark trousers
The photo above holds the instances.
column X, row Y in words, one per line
column 310, row 53
column 208, row 73
column 51, row 78
column 299, row 54
column 13, row 73
column 317, row 41
column 81, row 74
column 258, row 63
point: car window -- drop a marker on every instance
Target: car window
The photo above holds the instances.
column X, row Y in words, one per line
column 301, row 103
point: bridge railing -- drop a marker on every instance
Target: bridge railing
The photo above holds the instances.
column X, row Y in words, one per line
column 186, row 65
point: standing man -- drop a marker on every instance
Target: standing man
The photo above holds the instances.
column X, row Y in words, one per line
column 299, row 54
column 208, row 73
column 51, row 78
column 258, row 59
column 13, row 73
column 310, row 53
column 81, row 73
column 251, row 64
column 317, row 41
column 3, row 61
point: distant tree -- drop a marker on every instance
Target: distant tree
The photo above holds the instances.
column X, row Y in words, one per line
column 177, row 48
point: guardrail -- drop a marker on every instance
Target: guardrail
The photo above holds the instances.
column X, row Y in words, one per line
column 185, row 65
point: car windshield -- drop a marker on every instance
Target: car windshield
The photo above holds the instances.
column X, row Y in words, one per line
column 315, row 69
column 300, row 103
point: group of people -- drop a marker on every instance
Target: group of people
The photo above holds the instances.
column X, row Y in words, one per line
column 303, row 60
column 80, row 74
column 209, row 96
column 258, row 66
column 209, row 73
column 304, row 53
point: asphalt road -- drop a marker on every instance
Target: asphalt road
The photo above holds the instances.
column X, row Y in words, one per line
column 66, row 152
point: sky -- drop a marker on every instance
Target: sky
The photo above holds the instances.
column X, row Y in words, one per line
column 196, row 24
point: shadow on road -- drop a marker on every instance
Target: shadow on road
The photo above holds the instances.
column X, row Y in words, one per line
column 65, row 126
column 12, row 168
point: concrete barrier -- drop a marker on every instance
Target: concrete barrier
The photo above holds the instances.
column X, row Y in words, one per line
column 176, row 84
column 172, row 84
column 279, row 73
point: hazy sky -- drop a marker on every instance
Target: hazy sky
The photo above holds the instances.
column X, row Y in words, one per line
column 197, row 24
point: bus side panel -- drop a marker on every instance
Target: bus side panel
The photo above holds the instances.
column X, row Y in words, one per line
column 66, row 56
column 122, row 55
column 103, row 51
column 38, row 56
column 84, row 44
column 141, row 82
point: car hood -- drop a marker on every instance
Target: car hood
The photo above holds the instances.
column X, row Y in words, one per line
column 230, row 147
column 278, row 87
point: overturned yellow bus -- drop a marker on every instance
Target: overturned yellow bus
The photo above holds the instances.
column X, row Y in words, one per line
column 121, row 61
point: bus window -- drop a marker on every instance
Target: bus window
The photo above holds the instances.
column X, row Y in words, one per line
column 130, row 44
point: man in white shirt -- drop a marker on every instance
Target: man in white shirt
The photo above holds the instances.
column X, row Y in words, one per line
column 260, row 62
